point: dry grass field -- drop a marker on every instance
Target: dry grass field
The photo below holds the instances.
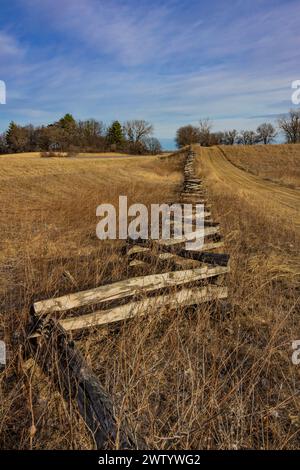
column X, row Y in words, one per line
column 278, row 163
column 80, row 155
column 203, row 378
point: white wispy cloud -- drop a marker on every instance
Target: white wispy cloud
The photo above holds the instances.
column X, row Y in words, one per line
column 9, row 47
column 171, row 63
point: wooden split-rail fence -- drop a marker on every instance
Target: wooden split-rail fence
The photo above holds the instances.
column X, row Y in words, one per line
column 185, row 278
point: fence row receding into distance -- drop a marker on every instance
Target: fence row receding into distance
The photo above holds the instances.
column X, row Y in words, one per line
column 191, row 278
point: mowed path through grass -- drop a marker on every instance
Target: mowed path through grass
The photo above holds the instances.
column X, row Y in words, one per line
column 283, row 200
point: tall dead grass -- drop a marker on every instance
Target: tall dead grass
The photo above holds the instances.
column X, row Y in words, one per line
column 217, row 376
column 278, row 163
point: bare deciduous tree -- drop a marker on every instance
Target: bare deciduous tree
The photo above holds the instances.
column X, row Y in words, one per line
column 152, row 145
column 266, row 133
column 205, row 126
column 217, row 138
column 137, row 129
column 247, row 137
column 90, row 134
column 230, row 137
column 290, row 125
column 187, row 135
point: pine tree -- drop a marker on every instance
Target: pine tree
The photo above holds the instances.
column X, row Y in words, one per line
column 67, row 122
column 17, row 138
column 115, row 133
column 10, row 132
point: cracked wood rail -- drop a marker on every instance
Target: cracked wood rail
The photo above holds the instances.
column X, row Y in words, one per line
column 66, row 367
column 184, row 297
column 126, row 288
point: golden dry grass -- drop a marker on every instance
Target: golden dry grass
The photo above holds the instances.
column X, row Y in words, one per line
column 279, row 163
column 49, row 246
column 80, row 155
column 278, row 199
column 210, row 377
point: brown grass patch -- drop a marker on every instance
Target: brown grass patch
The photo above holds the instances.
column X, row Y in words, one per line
column 219, row 376
column 278, row 163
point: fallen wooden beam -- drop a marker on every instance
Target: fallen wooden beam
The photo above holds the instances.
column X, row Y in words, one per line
column 209, row 246
column 215, row 259
column 189, row 225
column 190, row 236
column 63, row 363
column 137, row 263
column 136, row 249
column 193, row 193
column 205, row 248
column 184, row 297
column 182, row 203
column 147, row 255
column 193, row 187
column 175, row 249
column 191, row 199
column 126, row 288
column 192, row 217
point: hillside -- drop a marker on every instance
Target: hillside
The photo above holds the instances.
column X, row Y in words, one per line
column 278, row 163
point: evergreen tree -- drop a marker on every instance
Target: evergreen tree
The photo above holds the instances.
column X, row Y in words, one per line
column 67, row 122
column 10, row 132
column 17, row 138
column 115, row 133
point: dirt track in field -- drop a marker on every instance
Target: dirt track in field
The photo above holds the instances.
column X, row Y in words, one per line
column 284, row 200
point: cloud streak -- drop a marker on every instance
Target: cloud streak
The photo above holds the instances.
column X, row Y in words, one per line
column 170, row 63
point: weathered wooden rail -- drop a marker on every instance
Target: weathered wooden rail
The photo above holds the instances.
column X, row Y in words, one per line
column 192, row 278
column 192, row 192
column 60, row 360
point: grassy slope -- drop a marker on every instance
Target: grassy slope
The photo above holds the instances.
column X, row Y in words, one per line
column 277, row 199
column 279, row 163
column 264, row 245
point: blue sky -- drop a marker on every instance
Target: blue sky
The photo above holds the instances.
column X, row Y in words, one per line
column 170, row 62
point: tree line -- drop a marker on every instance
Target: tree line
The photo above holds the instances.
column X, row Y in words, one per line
column 70, row 135
column 265, row 133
